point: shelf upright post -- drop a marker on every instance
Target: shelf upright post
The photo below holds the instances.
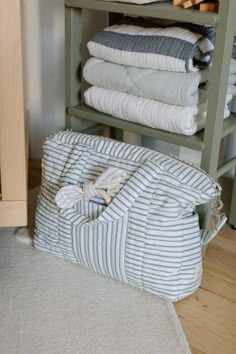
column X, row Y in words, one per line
column 115, row 133
column 73, row 41
column 217, row 91
column 79, row 27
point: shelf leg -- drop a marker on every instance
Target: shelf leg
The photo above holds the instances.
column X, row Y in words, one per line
column 73, row 40
column 78, row 31
column 217, row 94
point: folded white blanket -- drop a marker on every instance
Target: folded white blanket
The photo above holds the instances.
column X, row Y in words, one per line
column 178, row 48
column 155, row 114
column 169, row 87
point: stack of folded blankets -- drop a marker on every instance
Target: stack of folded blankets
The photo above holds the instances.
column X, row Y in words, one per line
column 154, row 76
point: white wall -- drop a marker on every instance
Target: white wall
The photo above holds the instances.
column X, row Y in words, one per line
column 45, row 27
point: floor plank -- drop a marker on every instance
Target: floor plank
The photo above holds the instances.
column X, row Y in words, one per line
column 220, row 265
column 215, row 284
column 208, row 317
column 205, row 340
column 196, row 351
column 212, row 319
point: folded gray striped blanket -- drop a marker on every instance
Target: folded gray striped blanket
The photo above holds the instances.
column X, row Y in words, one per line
column 148, row 236
column 182, row 48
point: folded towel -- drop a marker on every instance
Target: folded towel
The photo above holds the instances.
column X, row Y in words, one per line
column 182, row 48
column 170, row 87
column 173, row 118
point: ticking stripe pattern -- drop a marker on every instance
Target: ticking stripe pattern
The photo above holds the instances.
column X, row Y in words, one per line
column 147, row 237
column 181, row 48
column 148, row 112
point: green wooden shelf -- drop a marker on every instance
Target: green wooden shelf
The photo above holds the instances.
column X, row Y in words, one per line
column 84, row 112
column 195, row 142
column 163, row 10
column 80, row 117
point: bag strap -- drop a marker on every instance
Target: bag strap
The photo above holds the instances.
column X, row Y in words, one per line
column 209, row 235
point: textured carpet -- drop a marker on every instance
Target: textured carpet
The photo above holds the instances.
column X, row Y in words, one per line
column 48, row 305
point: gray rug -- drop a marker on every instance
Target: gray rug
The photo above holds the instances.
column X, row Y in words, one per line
column 48, row 305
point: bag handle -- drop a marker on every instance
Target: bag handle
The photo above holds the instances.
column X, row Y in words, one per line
column 208, row 235
column 132, row 190
column 109, row 180
column 120, row 205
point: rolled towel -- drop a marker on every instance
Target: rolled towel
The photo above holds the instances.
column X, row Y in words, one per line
column 181, row 48
column 155, row 114
column 169, row 87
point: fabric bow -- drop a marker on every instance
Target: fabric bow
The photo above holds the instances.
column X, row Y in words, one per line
column 108, row 182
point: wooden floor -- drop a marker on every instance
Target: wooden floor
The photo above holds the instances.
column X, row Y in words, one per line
column 208, row 317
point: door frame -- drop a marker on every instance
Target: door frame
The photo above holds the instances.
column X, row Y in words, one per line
column 13, row 115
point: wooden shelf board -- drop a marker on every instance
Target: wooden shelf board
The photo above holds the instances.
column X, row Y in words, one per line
column 164, row 10
column 84, row 112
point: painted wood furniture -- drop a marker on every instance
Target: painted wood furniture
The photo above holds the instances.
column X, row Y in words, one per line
column 207, row 141
column 13, row 145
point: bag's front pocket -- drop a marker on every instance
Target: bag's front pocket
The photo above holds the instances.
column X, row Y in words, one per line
column 96, row 245
column 172, row 262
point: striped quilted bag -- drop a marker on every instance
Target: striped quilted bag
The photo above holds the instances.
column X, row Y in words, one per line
column 126, row 212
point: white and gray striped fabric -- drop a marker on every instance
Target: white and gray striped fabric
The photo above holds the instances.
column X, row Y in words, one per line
column 148, row 112
column 148, row 236
column 181, row 48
